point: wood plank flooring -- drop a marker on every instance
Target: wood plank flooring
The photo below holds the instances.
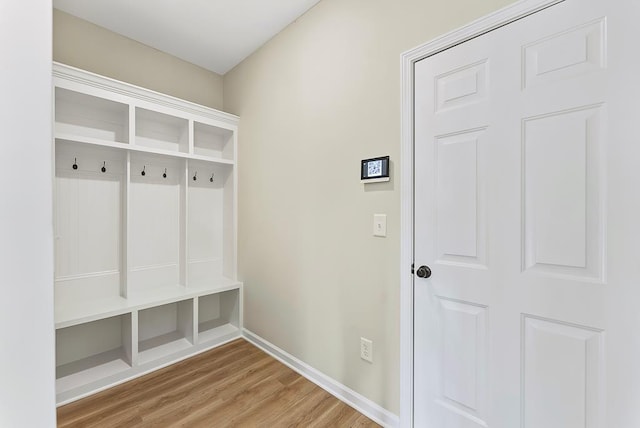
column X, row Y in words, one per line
column 235, row 385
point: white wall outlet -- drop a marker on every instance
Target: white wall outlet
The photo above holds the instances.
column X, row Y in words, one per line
column 366, row 349
column 379, row 225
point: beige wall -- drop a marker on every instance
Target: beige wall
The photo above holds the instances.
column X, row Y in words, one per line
column 313, row 102
column 84, row 45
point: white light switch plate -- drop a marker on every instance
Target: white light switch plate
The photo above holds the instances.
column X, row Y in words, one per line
column 379, row 225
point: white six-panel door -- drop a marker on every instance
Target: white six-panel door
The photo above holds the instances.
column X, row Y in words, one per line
column 526, row 204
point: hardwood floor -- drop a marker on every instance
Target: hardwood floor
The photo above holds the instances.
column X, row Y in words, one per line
column 235, row 385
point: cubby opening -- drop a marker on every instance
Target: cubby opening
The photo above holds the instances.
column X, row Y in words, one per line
column 209, row 223
column 90, row 184
column 93, row 351
column 164, row 330
column 212, row 141
column 218, row 315
column 83, row 115
column 156, row 224
column 161, row 131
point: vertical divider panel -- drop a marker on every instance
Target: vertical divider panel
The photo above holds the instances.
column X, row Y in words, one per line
column 230, row 307
column 233, row 251
column 191, row 137
column 126, row 262
column 134, row 338
column 230, row 232
column 196, row 318
column 185, row 319
column 127, row 338
column 124, row 275
column 184, row 218
column 132, row 124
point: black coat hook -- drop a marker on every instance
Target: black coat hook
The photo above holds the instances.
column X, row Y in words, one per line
column 143, row 173
column 164, row 175
column 211, row 179
column 75, row 163
column 104, row 166
column 195, row 176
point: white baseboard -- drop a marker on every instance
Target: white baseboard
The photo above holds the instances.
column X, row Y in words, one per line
column 362, row 404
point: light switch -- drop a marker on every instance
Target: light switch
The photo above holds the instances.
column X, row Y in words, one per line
column 379, row 225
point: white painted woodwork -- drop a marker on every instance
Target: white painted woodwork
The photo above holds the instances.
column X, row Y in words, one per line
column 213, row 141
column 88, row 220
column 562, row 374
column 217, row 315
column 81, row 359
column 145, row 264
column 562, row 192
column 461, row 235
column 155, row 222
column 85, row 115
column 205, row 251
column 463, row 358
column 163, row 330
column 161, row 131
column 524, row 169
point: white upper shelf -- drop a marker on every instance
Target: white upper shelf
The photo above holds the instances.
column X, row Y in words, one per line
column 96, row 110
column 135, row 148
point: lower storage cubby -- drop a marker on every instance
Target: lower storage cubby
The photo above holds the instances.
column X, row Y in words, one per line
column 92, row 352
column 164, row 330
column 218, row 316
column 95, row 355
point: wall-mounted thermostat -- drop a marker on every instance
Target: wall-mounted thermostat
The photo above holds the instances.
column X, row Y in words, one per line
column 374, row 170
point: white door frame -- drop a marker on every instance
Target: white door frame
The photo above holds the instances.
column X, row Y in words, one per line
column 483, row 25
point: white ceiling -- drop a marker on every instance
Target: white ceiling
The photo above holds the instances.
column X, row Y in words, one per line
column 214, row 34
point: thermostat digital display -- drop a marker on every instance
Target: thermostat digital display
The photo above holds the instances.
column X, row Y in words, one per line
column 375, row 169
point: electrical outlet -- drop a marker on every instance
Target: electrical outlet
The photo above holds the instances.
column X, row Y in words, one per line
column 366, row 349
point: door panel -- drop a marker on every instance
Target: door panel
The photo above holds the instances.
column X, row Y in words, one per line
column 563, row 218
column 461, row 229
column 563, row 374
column 452, row 207
column 526, row 211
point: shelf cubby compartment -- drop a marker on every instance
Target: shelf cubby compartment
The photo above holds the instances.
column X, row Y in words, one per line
column 85, row 116
column 88, row 222
column 156, row 224
column 212, row 141
column 210, row 230
column 161, row 131
column 92, row 353
column 218, row 316
column 164, row 331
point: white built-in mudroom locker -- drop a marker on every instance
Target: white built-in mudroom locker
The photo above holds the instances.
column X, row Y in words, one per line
column 145, row 231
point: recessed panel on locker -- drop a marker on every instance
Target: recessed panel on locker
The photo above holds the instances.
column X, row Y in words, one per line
column 156, row 216
column 89, row 191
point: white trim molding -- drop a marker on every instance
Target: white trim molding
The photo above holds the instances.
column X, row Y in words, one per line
column 343, row 393
column 490, row 22
column 84, row 77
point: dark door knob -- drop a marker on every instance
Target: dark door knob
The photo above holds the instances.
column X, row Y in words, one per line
column 423, row 272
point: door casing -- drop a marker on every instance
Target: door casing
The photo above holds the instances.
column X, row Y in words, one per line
column 481, row 26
